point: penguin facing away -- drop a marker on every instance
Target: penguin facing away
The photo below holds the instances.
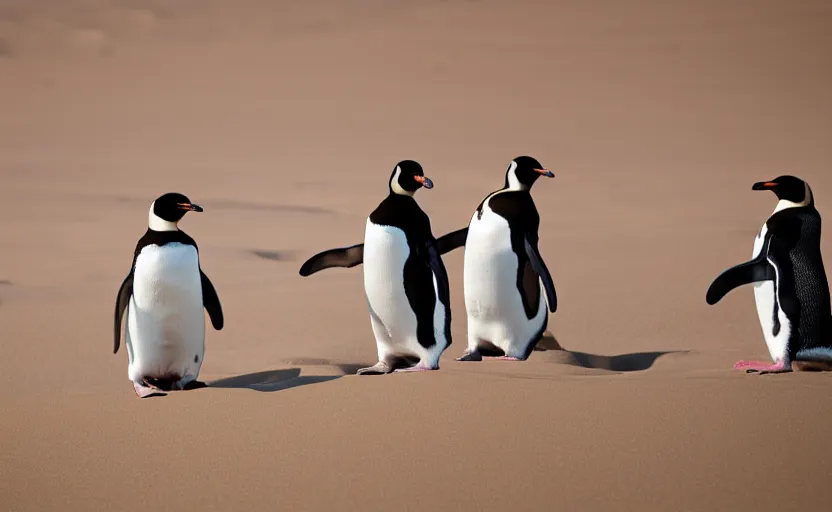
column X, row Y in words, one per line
column 505, row 277
column 164, row 295
column 405, row 281
column 790, row 286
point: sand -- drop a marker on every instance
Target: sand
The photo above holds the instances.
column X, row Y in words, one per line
column 283, row 119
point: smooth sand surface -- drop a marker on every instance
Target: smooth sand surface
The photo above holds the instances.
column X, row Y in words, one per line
column 284, row 119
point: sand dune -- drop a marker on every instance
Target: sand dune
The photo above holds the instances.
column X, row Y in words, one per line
column 283, row 119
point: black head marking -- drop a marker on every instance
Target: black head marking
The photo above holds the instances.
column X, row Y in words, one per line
column 408, row 177
column 523, row 171
column 173, row 206
column 788, row 188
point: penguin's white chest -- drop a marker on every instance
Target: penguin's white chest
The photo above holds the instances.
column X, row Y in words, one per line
column 166, row 323
column 768, row 306
column 385, row 253
column 490, row 267
column 492, row 300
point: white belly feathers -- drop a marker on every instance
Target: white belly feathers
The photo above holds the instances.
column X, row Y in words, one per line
column 165, row 319
column 385, row 252
column 766, row 299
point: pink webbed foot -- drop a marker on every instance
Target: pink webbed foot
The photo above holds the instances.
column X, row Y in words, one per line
column 508, row 358
column 414, row 369
column 380, row 368
column 763, row 367
column 742, row 365
column 143, row 391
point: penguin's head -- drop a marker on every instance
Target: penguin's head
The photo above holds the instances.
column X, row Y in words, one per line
column 787, row 188
column 523, row 171
column 168, row 209
column 407, row 178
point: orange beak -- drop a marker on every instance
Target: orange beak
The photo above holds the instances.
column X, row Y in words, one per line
column 424, row 181
column 189, row 207
column 764, row 185
column 545, row 172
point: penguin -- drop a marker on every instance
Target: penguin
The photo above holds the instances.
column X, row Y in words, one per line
column 790, row 286
column 163, row 295
column 504, row 274
column 405, row 281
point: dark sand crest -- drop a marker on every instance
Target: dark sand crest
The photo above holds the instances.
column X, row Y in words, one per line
column 274, row 255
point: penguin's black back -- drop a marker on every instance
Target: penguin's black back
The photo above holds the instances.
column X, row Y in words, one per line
column 403, row 212
column 803, row 289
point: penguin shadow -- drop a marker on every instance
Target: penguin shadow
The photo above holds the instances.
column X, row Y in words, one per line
column 278, row 380
column 633, row 362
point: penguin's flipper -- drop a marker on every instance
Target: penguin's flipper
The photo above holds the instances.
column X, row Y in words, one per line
column 441, row 274
column 749, row 272
column 540, row 268
column 342, row 257
column 211, row 302
column 453, row 240
column 122, row 300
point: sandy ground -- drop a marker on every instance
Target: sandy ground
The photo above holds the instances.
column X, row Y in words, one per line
column 283, row 119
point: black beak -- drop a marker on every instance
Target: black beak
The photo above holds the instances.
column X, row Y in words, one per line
column 764, row 185
column 190, row 207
